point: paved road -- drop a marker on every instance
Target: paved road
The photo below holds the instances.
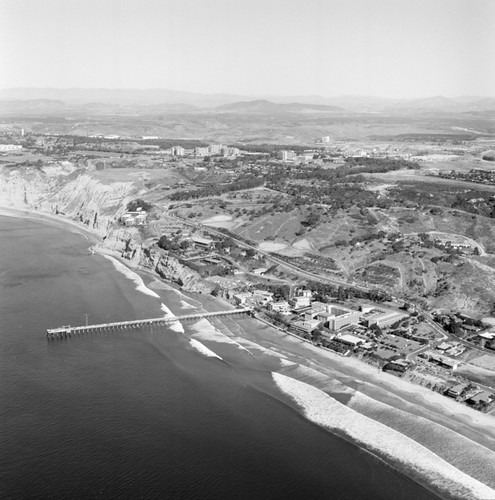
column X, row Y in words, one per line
column 306, row 274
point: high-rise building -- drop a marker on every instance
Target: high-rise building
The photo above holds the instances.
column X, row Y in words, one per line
column 198, row 151
column 215, row 149
column 285, row 155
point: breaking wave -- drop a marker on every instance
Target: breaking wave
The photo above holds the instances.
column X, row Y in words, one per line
column 204, row 330
column 324, row 410
column 176, row 326
column 134, row 277
column 195, row 344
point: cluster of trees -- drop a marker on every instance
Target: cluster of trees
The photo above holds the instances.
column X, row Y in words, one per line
column 133, row 205
column 172, row 244
column 217, row 190
column 341, row 292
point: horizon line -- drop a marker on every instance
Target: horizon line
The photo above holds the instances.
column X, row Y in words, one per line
column 374, row 96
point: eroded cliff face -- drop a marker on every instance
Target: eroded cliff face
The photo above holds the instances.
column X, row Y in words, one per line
column 65, row 189
column 79, row 195
column 127, row 245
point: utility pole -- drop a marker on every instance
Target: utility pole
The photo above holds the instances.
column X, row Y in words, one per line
column 86, row 318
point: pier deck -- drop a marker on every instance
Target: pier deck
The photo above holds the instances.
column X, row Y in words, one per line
column 67, row 331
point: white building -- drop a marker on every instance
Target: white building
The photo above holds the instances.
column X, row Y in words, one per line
column 178, row 151
column 230, row 151
column 199, row 151
column 282, row 306
column 285, row 155
column 215, row 149
column 337, row 317
column 9, row 147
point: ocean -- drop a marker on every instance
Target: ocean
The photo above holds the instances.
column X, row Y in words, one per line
column 150, row 413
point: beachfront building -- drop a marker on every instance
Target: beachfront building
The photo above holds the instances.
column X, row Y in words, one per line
column 336, row 317
column 398, row 365
column 281, row 306
column 438, row 359
column 305, row 326
column 349, row 340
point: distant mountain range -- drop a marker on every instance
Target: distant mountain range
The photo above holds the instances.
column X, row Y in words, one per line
column 155, row 101
column 262, row 106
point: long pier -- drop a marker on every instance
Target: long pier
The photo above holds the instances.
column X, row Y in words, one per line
column 68, row 331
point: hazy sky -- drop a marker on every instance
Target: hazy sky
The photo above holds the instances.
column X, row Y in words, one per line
column 389, row 48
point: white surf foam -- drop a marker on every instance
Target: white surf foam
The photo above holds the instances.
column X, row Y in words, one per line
column 457, row 449
column 176, row 326
column 323, row 410
column 186, row 305
column 134, row 277
column 195, row 344
column 286, row 362
column 206, row 331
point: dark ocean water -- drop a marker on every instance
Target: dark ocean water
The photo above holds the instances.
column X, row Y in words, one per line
column 140, row 414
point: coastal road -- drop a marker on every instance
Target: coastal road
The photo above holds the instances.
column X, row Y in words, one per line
column 333, row 281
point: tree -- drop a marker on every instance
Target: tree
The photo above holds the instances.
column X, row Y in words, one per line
column 250, row 252
column 316, row 336
column 165, row 243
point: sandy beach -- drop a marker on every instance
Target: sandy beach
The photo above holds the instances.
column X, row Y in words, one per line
column 331, row 373
column 449, row 412
column 60, row 220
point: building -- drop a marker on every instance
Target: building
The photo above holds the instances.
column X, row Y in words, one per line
column 281, row 306
column 285, row 155
column 9, row 147
column 137, row 218
column 481, row 398
column 203, row 243
column 199, row 151
column 336, row 317
column 262, row 297
column 215, row 149
column 306, row 326
column 443, row 361
column 178, row 151
column 242, row 298
column 349, row 340
column 230, row 151
column 381, row 317
column 302, row 300
column 325, row 139
column 457, row 390
column 397, row 365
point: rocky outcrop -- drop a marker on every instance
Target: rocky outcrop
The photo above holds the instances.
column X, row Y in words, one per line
column 127, row 244
column 75, row 193
column 190, row 281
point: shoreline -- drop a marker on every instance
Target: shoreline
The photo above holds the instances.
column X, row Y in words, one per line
column 468, row 415
column 423, row 401
column 61, row 220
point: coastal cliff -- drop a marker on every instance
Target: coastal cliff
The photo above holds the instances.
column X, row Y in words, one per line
column 78, row 195
column 127, row 245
